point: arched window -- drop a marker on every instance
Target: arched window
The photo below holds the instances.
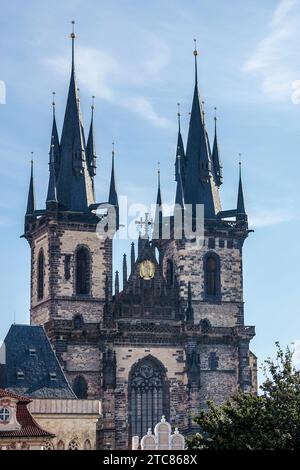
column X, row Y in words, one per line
column 60, row 445
column 40, row 275
column 212, row 275
column 87, row 445
column 82, row 271
column 48, row 446
column 80, row 387
column 170, row 272
column 148, row 395
column 73, row 445
column 78, row 322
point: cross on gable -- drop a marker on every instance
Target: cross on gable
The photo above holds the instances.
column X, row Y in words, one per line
column 144, row 225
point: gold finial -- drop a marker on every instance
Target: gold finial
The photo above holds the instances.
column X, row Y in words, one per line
column 31, row 161
column 215, row 109
column 73, row 35
column 158, row 168
column 178, row 107
column 53, row 99
column 93, row 102
column 113, row 148
column 240, row 159
column 195, row 49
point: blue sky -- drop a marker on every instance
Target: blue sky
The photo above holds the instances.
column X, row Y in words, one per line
column 136, row 57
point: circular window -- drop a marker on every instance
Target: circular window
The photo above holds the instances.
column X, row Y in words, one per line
column 4, row 415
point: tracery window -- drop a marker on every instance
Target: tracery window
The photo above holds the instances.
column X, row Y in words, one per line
column 40, row 275
column 82, row 271
column 148, row 395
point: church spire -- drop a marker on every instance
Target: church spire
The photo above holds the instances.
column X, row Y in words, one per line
column 113, row 195
column 217, row 167
column 54, row 139
column 31, row 193
column 158, row 219
column 199, row 186
column 117, row 284
column 180, row 151
column 124, row 270
column 74, row 185
column 132, row 258
column 240, row 210
column 51, row 201
column 90, row 146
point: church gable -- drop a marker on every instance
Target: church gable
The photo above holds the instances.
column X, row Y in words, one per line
column 147, row 294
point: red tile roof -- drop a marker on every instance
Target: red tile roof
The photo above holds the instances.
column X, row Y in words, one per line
column 29, row 427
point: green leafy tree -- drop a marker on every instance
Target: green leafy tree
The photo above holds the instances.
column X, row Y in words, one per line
column 268, row 421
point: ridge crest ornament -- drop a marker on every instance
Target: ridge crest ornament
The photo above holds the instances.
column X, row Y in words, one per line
column 147, row 270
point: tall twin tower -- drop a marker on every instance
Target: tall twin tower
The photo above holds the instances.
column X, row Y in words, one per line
column 174, row 336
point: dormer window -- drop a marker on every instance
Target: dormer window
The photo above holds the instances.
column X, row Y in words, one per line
column 20, row 375
column 4, row 415
column 52, row 375
column 32, row 352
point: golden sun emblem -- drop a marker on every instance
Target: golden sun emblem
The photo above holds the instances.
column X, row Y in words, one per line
column 147, row 270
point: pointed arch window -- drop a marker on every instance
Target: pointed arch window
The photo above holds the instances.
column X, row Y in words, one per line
column 40, row 275
column 170, row 272
column 212, row 275
column 82, row 271
column 148, row 395
column 80, row 387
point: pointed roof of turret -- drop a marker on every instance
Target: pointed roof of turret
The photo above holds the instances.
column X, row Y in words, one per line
column 113, row 195
column 52, row 193
column 157, row 233
column 216, row 160
column 180, row 151
column 90, row 146
column 74, row 185
column 31, row 194
column 199, row 186
column 240, row 210
column 179, row 198
column 55, row 140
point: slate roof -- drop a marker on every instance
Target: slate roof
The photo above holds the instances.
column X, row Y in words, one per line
column 28, row 351
column 29, row 427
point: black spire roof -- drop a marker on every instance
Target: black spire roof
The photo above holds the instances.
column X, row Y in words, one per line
column 51, row 200
column 91, row 147
column 31, row 194
column 217, row 167
column 74, row 184
column 240, row 210
column 199, row 186
column 181, row 153
column 55, row 140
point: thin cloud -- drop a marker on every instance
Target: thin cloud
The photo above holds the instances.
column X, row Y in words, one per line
column 265, row 218
column 100, row 74
column 275, row 55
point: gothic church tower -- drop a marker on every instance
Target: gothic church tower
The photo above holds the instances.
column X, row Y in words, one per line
column 71, row 268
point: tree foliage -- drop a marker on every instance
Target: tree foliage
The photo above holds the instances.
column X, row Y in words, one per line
column 268, row 421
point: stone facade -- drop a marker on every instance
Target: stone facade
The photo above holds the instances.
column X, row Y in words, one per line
column 74, row 422
column 175, row 335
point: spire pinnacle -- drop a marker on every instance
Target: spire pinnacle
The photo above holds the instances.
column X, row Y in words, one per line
column 113, row 195
column 195, row 52
column 31, row 193
column 157, row 233
column 90, row 146
column 240, row 211
column 178, row 115
column 51, row 200
column 216, row 160
column 53, row 103
column 73, row 37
